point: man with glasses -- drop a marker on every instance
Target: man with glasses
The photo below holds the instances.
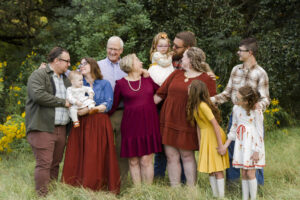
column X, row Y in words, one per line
column 47, row 117
column 182, row 42
column 111, row 71
column 248, row 73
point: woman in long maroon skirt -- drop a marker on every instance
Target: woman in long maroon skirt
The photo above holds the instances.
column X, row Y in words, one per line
column 90, row 159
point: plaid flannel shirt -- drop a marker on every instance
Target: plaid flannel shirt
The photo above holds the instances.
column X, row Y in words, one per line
column 61, row 113
column 256, row 77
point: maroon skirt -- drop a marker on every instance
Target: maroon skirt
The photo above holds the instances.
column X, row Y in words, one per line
column 90, row 159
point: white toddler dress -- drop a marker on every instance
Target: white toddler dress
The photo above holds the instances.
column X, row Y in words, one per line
column 247, row 131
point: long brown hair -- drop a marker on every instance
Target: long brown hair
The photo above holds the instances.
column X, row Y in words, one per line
column 199, row 93
column 95, row 69
column 250, row 96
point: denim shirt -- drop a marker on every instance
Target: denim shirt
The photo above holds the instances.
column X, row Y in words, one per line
column 103, row 93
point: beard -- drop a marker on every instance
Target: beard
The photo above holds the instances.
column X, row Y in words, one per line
column 176, row 57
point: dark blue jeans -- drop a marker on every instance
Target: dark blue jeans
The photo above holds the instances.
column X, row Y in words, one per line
column 160, row 164
column 234, row 173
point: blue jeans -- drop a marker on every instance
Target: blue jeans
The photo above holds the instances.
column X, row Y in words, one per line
column 160, row 164
column 234, row 173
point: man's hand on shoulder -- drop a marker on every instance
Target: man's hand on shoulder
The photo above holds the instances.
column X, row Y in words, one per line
column 211, row 75
column 43, row 65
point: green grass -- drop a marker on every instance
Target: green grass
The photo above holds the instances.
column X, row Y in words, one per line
column 282, row 178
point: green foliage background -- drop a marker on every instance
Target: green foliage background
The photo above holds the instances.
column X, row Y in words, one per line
column 83, row 27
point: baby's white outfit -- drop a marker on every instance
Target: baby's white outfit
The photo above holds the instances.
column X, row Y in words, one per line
column 248, row 133
column 78, row 94
column 161, row 67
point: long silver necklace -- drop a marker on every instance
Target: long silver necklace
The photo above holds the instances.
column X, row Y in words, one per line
column 135, row 90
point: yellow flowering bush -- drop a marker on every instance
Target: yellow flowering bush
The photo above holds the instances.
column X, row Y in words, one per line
column 11, row 133
column 275, row 116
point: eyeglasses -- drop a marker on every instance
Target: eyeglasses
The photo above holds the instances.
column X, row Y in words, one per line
column 113, row 49
column 67, row 61
column 177, row 47
column 83, row 64
column 160, row 46
column 243, row 50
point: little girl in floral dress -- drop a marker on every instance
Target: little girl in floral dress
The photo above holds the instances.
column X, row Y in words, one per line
column 161, row 57
column 247, row 131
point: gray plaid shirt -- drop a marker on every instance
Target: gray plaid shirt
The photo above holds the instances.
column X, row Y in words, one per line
column 61, row 113
column 256, row 77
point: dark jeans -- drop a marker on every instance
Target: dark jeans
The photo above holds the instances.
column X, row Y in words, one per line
column 48, row 149
column 160, row 164
column 234, row 173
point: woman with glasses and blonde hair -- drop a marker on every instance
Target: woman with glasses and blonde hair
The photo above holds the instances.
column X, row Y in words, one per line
column 90, row 159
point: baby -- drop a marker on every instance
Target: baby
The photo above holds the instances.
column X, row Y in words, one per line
column 76, row 96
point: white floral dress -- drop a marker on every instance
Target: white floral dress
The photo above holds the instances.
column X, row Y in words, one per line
column 247, row 131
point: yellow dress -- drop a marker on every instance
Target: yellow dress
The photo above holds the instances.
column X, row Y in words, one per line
column 209, row 159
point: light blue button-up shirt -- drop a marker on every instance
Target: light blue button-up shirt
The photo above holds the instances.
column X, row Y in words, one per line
column 111, row 71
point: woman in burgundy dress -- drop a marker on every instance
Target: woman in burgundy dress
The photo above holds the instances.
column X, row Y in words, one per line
column 178, row 136
column 90, row 159
column 140, row 123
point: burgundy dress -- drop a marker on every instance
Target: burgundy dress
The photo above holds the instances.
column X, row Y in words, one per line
column 175, row 129
column 140, row 122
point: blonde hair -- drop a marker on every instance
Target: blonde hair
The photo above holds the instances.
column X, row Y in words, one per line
column 73, row 74
column 160, row 35
column 197, row 59
column 126, row 62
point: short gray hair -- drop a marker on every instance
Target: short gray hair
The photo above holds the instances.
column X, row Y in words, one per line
column 116, row 38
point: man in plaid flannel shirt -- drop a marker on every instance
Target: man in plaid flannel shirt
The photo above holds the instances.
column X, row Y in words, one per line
column 248, row 73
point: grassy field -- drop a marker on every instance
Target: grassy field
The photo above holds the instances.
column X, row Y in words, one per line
column 282, row 177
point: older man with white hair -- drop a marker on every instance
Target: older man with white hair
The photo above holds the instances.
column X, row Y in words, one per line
column 111, row 71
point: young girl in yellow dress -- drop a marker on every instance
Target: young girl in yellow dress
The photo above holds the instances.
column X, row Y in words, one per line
column 210, row 135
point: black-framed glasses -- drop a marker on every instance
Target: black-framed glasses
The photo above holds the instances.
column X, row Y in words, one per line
column 243, row 50
column 177, row 47
column 67, row 61
column 83, row 64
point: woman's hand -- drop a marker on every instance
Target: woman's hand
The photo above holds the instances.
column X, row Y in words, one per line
column 157, row 99
column 101, row 108
column 83, row 111
column 255, row 157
